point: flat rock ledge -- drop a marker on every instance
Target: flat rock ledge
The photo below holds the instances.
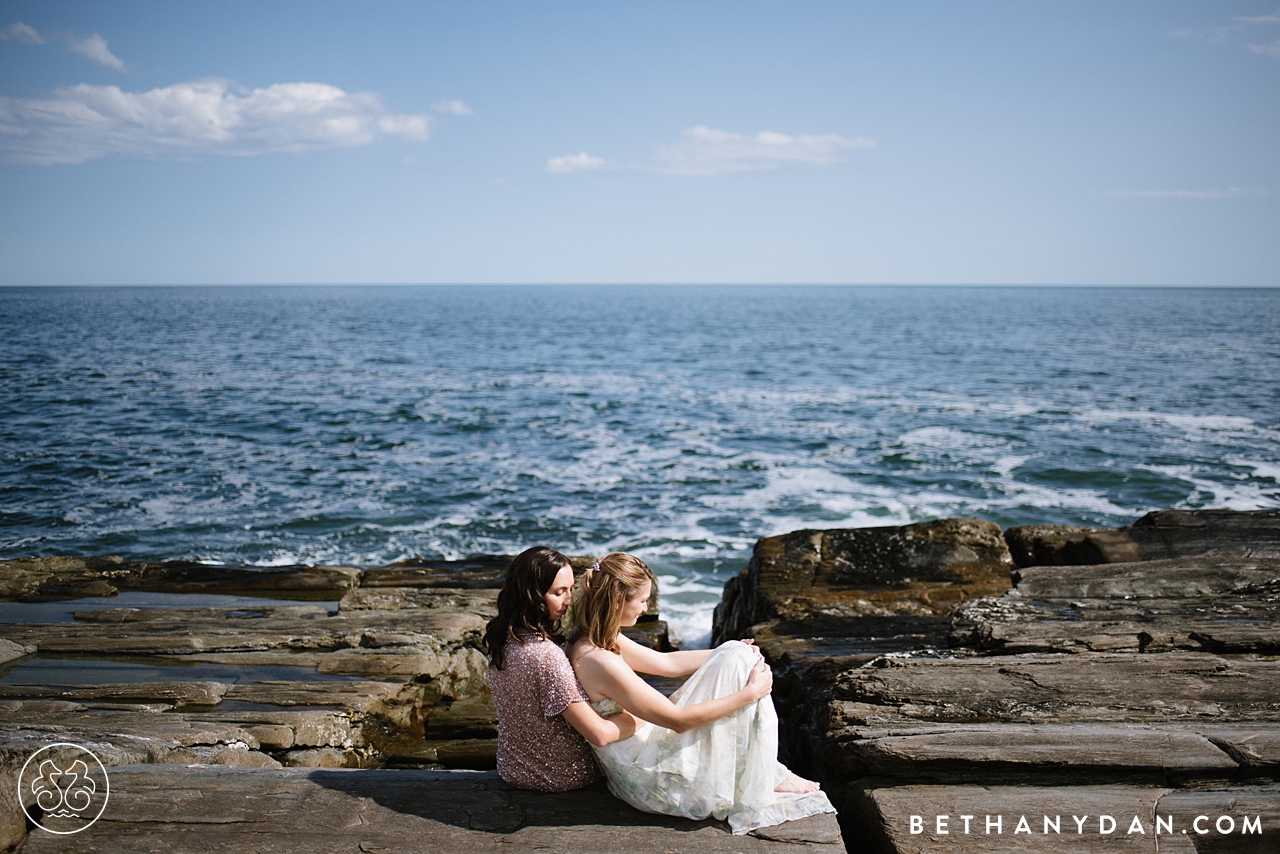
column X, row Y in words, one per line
column 940, row 676
column 161, row 809
column 334, row 667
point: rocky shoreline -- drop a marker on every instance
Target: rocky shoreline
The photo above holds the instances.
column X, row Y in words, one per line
column 946, row 668
column 392, row 676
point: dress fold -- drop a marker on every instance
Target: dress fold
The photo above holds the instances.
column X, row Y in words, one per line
column 726, row 769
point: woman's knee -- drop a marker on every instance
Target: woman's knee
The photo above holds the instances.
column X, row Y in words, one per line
column 738, row 653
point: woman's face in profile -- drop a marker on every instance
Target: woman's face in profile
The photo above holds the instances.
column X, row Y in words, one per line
column 560, row 595
column 636, row 605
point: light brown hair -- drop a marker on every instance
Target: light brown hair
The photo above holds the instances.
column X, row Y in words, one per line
column 597, row 613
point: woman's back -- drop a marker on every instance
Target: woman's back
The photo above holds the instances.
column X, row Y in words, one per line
column 537, row 748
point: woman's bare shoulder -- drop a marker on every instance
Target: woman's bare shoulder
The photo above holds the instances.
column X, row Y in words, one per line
column 585, row 655
column 581, row 649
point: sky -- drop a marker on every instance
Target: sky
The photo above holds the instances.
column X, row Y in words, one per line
column 1092, row 143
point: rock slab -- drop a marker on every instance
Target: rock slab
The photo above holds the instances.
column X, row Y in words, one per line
column 920, row 570
column 1128, row 672
column 163, row 809
column 1159, row 535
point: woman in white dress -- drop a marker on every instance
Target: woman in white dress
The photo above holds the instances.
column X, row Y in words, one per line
column 709, row 750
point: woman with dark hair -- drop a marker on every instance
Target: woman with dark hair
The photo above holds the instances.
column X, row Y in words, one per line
column 709, row 750
column 544, row 718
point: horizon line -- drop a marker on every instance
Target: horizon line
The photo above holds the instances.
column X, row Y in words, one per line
column 632, row 284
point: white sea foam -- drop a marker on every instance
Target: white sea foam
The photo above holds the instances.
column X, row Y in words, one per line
column 1261, row 469
column 785, row 483
column 1196, row 424
column 280, row 557
column 78, row 516
column 161, row 510
column 691, row 630
column 1240, row 495
column 1004, row 466
column 1035, row 495
column 686, row 603
column 946, row 438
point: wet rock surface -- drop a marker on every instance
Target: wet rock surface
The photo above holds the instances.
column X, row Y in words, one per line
column 394, row 677
column 59, row 578
column 821, row 602
column 1202, row 604
column 920, row 570
column 1133, row 673
column 1159, row 535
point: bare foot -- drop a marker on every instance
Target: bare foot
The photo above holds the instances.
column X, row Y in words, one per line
column 798, row 785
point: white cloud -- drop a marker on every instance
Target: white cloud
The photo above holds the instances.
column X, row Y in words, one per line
column 79, row 123
column 580, row 162
column 1272, row 49
column 1213, row 35
column 20, row 32
column 453, row 108
column 1228, row 193
column 705, row 151
column 95, row 48
column 407, row 126
column 1273, row 18
column 1226, row 32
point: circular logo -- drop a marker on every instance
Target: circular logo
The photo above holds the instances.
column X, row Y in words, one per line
column 63, row 788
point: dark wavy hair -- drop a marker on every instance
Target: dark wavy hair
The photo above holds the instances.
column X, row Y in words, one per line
column 522, row 610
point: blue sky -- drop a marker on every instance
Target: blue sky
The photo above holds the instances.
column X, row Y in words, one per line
column 1003, row 142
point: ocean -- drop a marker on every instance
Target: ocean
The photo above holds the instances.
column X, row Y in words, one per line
column 362, row 425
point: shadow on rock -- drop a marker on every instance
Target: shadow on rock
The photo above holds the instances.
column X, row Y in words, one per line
column 479, row 800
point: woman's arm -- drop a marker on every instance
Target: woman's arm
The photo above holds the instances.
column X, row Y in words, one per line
column 607, row 674
column 595, row 729
column 642, row 659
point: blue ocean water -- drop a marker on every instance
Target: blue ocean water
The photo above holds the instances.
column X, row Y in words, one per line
column 360, row 425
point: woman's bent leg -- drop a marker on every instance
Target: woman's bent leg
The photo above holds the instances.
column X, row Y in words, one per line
column 741, row 750
column 728, row 769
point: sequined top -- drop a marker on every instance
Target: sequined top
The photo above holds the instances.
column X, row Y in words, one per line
column 537, row 748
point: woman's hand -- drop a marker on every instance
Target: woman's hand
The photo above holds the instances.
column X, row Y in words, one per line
column 760, row 682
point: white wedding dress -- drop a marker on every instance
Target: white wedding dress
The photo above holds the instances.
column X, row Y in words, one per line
column 726, row 769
